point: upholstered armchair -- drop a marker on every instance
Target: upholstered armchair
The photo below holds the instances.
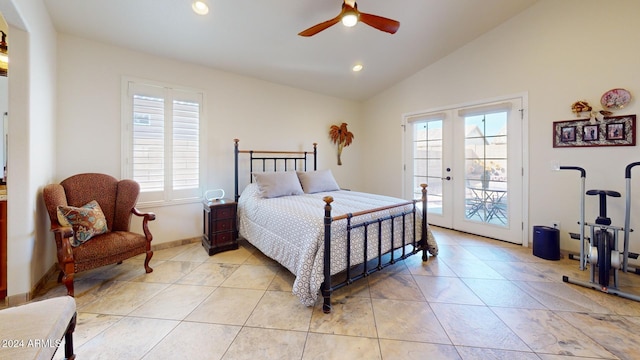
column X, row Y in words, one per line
column 90, row 216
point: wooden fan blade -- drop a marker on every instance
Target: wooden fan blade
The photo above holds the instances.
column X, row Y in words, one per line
column 380, row 23
column 322, row 26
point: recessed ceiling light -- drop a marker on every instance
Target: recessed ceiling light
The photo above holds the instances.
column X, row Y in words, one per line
column 200, row 7
column 357, row 67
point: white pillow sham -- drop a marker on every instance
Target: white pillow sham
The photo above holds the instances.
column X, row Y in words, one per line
column 318, row 181
column 278, row 183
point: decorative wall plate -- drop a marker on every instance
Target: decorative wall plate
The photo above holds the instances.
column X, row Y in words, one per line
column 615, row 99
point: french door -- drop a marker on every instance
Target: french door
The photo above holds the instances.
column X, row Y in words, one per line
column 471, row 158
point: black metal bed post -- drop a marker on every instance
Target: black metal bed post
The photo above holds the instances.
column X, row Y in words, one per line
column 315, row 157
column 326, row 285
column 251, row 165
column 423, row 228
column 237, row 196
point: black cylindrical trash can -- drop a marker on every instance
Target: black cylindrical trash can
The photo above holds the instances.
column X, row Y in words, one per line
column 546, row 242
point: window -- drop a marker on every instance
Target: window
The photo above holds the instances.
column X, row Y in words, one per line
column 162, row 141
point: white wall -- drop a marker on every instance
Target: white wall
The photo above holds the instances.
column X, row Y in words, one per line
column 558, row 52
column 32, row 81
column 262, row 115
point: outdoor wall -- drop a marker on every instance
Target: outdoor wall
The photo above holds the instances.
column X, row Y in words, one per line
column 556, row 51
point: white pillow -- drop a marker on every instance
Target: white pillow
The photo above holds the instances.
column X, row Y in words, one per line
column 279, row 183
column 318, row 181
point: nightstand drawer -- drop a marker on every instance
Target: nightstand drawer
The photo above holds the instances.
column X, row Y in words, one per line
column 223, row 238
column 224, row 211
column 223, row 225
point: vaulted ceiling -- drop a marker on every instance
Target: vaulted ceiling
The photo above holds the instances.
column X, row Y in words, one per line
column 259, row 38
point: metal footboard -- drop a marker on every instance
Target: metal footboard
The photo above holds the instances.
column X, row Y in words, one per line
column 379, row 263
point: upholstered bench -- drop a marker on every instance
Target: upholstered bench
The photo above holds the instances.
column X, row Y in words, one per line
column 35, row 330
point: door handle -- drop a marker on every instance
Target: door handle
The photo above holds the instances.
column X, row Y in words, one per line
column 446, row 178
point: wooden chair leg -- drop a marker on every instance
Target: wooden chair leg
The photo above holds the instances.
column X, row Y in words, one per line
column 67, row 279
column 147, row 268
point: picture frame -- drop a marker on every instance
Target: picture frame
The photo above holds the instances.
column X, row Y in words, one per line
column 610, row 131
column 568, row 133
column 590, row 133
column 615, row 131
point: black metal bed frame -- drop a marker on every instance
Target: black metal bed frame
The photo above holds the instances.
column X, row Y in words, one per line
column 368, row 267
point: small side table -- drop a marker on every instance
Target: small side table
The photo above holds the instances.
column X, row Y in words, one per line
column 219, row 223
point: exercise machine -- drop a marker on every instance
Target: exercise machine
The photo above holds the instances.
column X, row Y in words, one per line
column 600, row 250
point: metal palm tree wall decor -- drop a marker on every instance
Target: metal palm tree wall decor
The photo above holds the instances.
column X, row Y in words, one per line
column 341, row 136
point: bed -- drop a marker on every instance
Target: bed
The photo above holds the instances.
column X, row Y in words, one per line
column 326, row 236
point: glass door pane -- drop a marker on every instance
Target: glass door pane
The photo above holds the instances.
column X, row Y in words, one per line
column 427, row 162
column 486, row 191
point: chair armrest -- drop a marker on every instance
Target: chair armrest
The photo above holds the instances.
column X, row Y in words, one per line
column 63, row 235
column 148, row 216
column 62, row 231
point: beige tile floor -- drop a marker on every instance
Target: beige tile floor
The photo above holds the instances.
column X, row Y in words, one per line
column 478, row 299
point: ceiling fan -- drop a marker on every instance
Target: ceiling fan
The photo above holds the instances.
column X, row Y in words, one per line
column 350, row 16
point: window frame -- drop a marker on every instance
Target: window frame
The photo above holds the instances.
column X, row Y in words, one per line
column 169, row 93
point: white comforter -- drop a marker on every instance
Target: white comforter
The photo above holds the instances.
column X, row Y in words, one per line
column 290, row 230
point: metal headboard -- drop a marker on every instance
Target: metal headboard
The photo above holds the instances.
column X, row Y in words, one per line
column 271, row 159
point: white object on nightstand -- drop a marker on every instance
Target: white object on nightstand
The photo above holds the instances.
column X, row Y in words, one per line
column 215, row 194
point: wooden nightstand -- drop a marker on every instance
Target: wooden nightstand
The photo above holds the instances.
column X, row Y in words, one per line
column 219, row 222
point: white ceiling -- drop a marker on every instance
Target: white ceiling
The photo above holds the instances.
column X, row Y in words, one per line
column 258, row 38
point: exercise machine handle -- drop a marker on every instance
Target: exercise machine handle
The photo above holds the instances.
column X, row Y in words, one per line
column 583, row 177
column 583, row 172
column 627, row 215
column 627, row 170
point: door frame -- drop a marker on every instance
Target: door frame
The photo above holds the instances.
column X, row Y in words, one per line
column 524, row 141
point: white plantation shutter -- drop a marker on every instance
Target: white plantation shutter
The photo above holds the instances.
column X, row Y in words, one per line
column 161, row 142
column 186, row 145
column 148, row 142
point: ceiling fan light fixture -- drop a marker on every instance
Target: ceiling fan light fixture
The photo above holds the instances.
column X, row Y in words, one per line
column 350, row 18
column 200, row 7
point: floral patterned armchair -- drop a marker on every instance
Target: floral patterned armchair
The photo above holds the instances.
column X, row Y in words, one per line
column 90, row 216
